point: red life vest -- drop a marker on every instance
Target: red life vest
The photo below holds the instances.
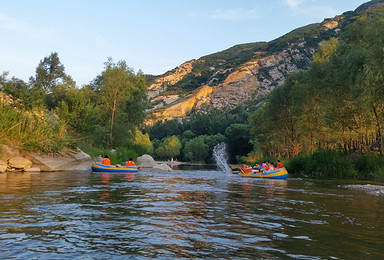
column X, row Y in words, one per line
column 279, row 165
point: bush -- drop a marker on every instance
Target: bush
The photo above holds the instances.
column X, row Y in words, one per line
column 123, row 154
column 370, row 166
column 322, row 164
column 298, row 165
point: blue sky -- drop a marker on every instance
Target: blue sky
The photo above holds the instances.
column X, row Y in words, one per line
column 151, row 35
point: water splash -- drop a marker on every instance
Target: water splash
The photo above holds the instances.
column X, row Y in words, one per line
column 221, row 157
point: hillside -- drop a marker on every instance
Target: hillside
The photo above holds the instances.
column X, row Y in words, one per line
column 243, row 72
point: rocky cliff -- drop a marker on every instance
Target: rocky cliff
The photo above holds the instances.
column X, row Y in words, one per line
column 241, row 73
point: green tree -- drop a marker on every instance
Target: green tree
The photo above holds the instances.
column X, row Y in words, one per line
column 237, row 139
column 187, row 135
column 163, row 129
column 196, row 150
column 142, row 143
column 121, row 101
column 172, row 146
column 17, row 88
column 51, row 82
column 77, row 111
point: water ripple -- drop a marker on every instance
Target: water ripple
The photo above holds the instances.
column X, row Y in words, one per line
column 198, row 214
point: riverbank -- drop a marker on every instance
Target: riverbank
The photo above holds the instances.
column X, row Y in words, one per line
column 377, row 190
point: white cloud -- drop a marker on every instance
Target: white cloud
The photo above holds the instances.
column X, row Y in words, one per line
column 293, row 3
column 16, row 25
column 234, row 14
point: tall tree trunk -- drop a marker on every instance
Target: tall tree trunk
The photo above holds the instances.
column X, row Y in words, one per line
column 378, row 127
column 112, row 121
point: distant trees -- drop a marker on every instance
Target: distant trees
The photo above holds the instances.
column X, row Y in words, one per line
column 169, row 148
column 196, row 150
column 202, row 131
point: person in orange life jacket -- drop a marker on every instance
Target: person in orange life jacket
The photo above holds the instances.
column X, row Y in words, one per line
column 279, row 164
column 130, row 162
column 245, row 168
column 270, row 167
column 263, row 166
column 106, row 160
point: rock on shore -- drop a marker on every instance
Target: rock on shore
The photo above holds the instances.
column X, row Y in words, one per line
column 146, row 162
column 14, row 160
column 371, row 189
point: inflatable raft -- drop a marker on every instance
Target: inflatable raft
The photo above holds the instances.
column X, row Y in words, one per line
column 281, row 174
column 98, row 167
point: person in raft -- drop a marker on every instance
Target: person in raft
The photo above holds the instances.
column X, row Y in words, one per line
column 106, row 160
column 130, row 162
column 279, row 164
column 270, row 167
column 245, row 168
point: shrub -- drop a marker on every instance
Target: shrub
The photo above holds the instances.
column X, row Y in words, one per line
column 369, row 166
column 322, row 164
column 298, row 165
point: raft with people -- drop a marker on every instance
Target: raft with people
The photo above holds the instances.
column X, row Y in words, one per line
column 281, row 174
column 105, row 166
column 99, row 167
column 266, row 170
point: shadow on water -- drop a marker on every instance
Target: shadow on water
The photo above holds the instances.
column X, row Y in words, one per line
column 194, row 167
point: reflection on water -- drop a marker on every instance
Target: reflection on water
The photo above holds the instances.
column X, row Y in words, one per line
column 198, row 214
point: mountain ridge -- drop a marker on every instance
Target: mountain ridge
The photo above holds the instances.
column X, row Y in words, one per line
column 242, row 72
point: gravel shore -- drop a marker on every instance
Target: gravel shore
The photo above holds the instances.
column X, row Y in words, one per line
column 371, row 189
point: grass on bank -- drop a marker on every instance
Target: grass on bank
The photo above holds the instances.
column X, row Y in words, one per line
column 32, row 130
column 333, row 164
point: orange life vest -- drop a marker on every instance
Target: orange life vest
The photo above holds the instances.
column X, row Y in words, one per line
column 279, row 165
column 129, row 163
column 106, row 161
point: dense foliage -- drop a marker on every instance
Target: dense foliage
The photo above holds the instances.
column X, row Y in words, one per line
column 336, row 105
column 50, row 114
column 202, row 131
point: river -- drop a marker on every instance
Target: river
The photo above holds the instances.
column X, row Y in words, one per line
column 185, row 214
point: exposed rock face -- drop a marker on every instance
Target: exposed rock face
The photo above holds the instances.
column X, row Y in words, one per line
column 257, row 77
column 183, row 108
column 32, row 162
column 331, row 24
column 78, row 161
column 3, row 166
column 160, row 84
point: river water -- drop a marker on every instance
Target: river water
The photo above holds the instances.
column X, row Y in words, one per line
column 185, row 214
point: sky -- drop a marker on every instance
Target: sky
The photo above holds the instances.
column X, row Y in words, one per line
column 153, row 36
